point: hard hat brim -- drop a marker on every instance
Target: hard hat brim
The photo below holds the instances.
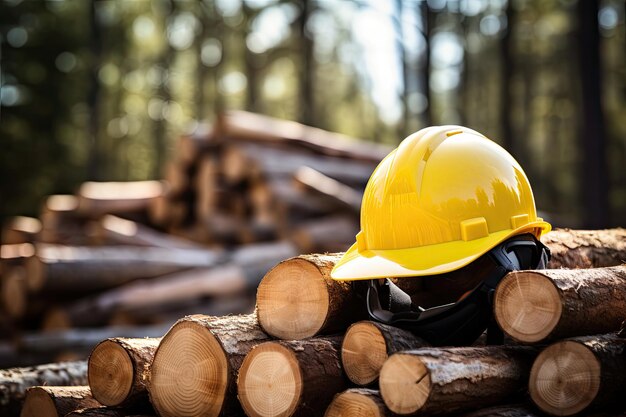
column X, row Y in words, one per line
column 423, row 260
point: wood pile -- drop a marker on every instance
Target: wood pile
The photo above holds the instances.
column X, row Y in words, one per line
column 307, row 351
column 235, row 200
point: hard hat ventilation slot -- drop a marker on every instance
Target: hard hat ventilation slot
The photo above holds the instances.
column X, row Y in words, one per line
column 474, row 228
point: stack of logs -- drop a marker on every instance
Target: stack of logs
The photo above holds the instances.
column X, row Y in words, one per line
column 308, row 351
column 235, row 200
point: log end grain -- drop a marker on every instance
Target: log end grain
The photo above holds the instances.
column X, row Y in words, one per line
column 38, row 403
column 527, row 306
column 189, row 373
column 363, row 353
column 405, row 383
column 270, row 381
column 293, row 300
column 356, row 403
column 111, row 373
column 564, row 379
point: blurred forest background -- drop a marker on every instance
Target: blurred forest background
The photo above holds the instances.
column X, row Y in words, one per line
column 99, row 90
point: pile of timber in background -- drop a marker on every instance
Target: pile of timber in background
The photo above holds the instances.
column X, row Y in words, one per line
column 235, row 200
column 308, row 352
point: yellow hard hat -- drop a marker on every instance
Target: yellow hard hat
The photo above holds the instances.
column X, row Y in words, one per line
column 443, row 198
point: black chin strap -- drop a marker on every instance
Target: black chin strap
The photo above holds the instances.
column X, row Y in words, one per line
column 459, row 323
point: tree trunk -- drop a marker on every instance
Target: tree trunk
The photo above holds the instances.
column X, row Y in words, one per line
column 83, row 269
column 446, row 380
column 572, row 376
column 195, row 367
column 513, row 410
column 15, row 381
column 368, row 344
column 345, row 196
column 291, row 377
column 358, row 402
column 536, row 306
column 586, row 248
column 117, row 370
column 56, row 401
column 325, row 234
column 299, row 299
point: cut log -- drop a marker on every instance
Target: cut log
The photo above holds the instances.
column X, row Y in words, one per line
column 586, row 248
column 99, row 198
column 247, row 267
column 258, row 128
column 329, row 188
column 113, row 229
column 286, row 378
column 298, row 299
column 177, row 178
column 15, row 255
column 83, row 269
column 251, row 161
column 572, row 376
column 446, row 380
column 192, row 146
column 20, row 229
column 60, row 221
column 56, row 401
column 13, row 292
column 118, row 370
column 109, row 412
column 367, row 345
column 195, row 367
column 206, row 186
column 535, row 306
column 513, row 410
column 358, row 402
column 326, row 234
column 80, row 341
column 14, row 382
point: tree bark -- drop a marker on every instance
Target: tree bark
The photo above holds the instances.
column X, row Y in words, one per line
column 325, row 234
column 446, row 380
column 573, row 376
column 56, row 401
column 513, row 410
column 118, row 368
column 13, row 290
column 262, row 129
column 344, row 195
column 536, row 306
column 586, row 248
column 110, row 412
column 82, row 269
column 15, row 381
column 195, row 367
column 309, row 376
column 368, row 344
column 299, row 299
column 358, row 402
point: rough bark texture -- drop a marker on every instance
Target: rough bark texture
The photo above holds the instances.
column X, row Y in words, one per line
column 321, row 377
column 513, row 410
column 110, row 412
column 445, row 380
column 15, row 381
column 294, row 302
column 235, row 336
column 358, row 402
column 583, row 302
column 139, row 352
column 368, row 344
column 586, row 248
column 566, row 367
column 81, row 269
column 63, row 400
